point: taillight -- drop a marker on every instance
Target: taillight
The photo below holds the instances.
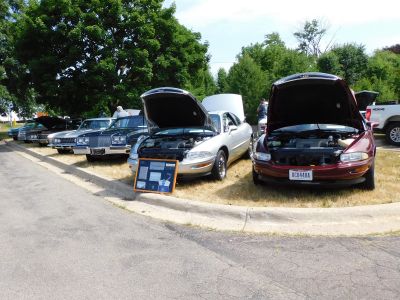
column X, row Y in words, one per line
column 368, row 114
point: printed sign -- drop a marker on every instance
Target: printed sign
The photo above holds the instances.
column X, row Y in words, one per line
column 156, row 175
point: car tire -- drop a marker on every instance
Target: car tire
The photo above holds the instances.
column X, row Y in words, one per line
column 393, row 133
column 15, row 139
column 369, row 183
column 91, row 158
column 256, row 179
column 63, row 151
column 218, row 171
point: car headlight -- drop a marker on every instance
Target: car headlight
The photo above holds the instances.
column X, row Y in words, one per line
column 199, row 155
column 57, row 141
column 34, row 136
column 354, row 156
column 262, row 156
column 82, row 141
column 118, row 139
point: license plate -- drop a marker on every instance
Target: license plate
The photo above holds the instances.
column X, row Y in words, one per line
column 305, row 175
column 97, row 151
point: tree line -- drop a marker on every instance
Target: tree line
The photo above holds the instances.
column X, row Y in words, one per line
column 83, row 57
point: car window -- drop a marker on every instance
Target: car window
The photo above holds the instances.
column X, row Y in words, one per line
column 129, row 122
column 227, row 120
column 94, row 124
column 237, row 120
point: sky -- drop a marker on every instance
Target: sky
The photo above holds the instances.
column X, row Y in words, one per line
column 228, row 25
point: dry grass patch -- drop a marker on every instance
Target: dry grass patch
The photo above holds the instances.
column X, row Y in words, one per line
column 238, row 187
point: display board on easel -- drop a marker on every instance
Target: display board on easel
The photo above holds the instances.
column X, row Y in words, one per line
column 156, row 175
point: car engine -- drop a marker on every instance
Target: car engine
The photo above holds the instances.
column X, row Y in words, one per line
column 169, row 147
column 308, row 151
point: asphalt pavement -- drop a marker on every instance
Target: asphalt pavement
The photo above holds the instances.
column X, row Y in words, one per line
column 60, row 241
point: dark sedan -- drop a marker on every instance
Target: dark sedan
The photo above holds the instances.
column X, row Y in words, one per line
column 315, row 135
column 115, row 140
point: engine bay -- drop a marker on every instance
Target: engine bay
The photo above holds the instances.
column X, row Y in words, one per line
column 169, row 147
column 313, row 150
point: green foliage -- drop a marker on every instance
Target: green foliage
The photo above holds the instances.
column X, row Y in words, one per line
column 382, row 75
column 87, row 56
column 222, row 81
column 247, row 79
column 353, row 61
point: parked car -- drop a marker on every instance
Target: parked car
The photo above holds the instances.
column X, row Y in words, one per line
column 315, row 135
column 387, row 117
column 204, row 142
column 64, row 141
column 115, row 140
column 50, row 125
column 31, row 128
column 13, row 132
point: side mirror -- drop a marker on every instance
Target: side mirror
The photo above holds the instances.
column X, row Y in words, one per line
column 232, row 128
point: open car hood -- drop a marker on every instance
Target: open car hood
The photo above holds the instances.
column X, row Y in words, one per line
column 169, row 107
column 225, row 102
column 312, row 98
column 51, row 122
column 365, row 98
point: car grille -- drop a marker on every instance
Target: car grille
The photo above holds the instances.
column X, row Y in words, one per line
column 67, row 140
column 42, row 136
column 99, row 141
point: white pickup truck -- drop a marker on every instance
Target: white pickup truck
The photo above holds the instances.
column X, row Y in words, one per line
column 388, row 118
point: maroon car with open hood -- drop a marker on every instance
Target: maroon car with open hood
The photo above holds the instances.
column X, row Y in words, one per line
column 315, row 135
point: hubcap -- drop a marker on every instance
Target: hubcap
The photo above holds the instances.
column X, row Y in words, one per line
column 395, row 134
column 221, row 167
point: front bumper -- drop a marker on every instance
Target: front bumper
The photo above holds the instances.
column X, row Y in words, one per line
column 99, row 151
column 61, row 146
column 340, row 174
column 185, row 168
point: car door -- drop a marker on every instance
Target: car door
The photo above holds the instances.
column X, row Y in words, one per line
column 244, row 134
column 233, row 136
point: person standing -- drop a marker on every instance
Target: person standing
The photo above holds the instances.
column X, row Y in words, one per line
column 262, row 109
column 120, row 112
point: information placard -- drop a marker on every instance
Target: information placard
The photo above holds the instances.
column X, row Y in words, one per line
column 156, row 175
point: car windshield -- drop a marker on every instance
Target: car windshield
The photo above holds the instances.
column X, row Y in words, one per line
column 129, row 122
column 184, row 131
column 315, row 127
column 94, row 124
column 216, row 121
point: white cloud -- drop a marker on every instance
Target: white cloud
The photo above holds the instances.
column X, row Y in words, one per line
column 202, row 13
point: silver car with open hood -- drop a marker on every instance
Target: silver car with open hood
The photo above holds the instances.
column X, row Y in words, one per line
column 204, row 142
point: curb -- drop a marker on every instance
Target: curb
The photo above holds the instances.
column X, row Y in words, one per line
column 345, row 221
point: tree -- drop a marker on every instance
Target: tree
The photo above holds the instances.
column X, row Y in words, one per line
column 222, row 81
column 87, row 56
column 247, row 79
column 329, row 63
column 310, row 37
column 394, row 48
column 382, row 75
column 353, row 61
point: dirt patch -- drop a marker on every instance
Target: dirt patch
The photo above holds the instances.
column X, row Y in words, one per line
column 238, row 187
